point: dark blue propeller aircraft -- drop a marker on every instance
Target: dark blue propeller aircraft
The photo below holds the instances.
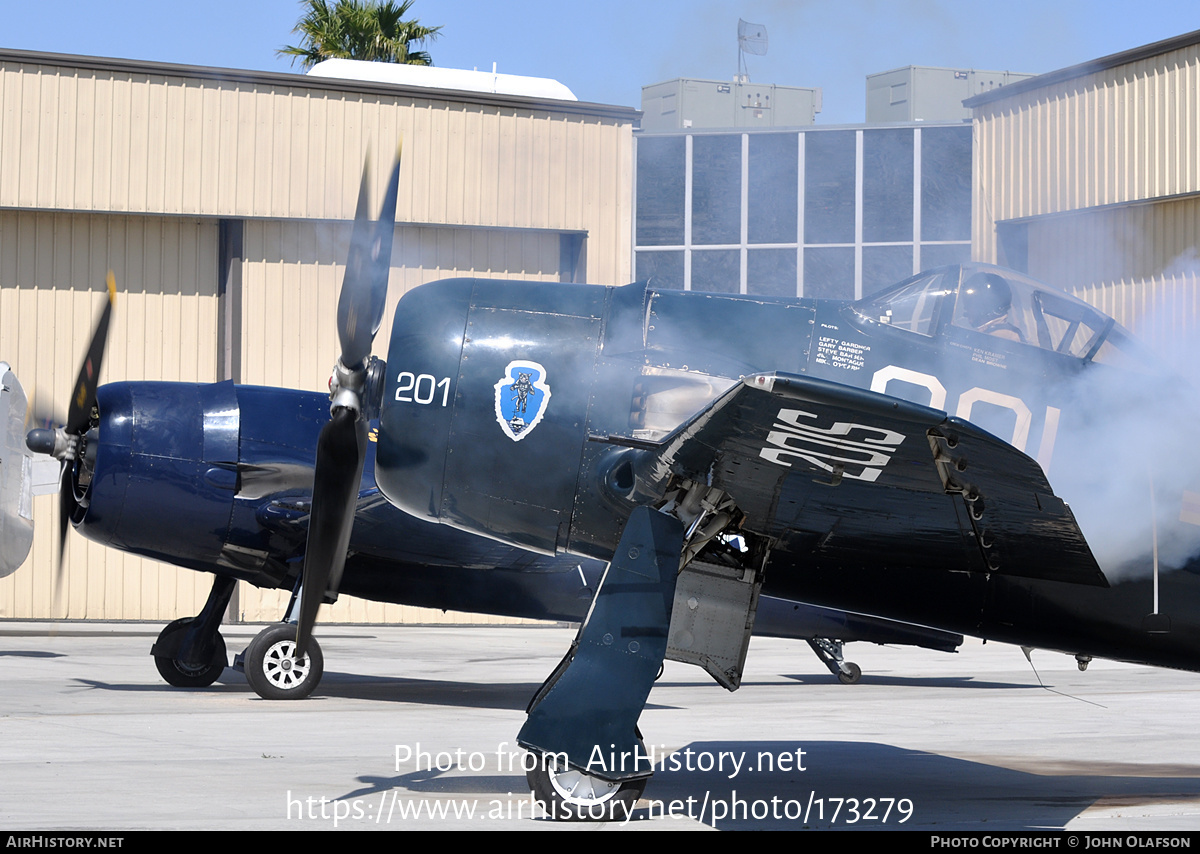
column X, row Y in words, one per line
column 693, row 446
column 220, row 478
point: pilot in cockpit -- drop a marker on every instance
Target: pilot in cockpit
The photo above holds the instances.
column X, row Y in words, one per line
column 985, row 301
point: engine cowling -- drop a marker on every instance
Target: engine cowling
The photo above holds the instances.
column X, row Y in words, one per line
column 165, row 470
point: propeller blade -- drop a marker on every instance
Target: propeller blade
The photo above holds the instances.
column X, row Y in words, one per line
column 342, row 445
column 66, row 506
column 341, row 450
column 64, row 443
column 84, row 396
column 364, row 290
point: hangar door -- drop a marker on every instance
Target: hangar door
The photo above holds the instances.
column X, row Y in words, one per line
column 292, row 272
column 164, row 327
column 1139, row 263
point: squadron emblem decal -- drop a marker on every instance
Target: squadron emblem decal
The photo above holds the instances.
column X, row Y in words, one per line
column 521, row 398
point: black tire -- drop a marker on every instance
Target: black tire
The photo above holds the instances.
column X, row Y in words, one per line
column 853, row 676
column 571, row 795
column 181, row 675
column 270, row 669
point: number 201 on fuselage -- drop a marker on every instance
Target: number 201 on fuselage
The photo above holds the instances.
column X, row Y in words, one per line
column 422, row 388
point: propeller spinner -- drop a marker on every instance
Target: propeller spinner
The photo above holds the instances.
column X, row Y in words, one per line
column 342, row 446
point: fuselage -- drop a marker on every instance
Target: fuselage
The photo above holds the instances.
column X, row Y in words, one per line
column 516, row 411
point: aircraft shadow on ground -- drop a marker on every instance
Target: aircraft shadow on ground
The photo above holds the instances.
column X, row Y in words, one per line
column 946, row 793
column 510, row 695
column 845, row 782
column 348, row 686
column 908, row 681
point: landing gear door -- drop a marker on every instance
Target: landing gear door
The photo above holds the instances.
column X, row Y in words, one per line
column 712, row 619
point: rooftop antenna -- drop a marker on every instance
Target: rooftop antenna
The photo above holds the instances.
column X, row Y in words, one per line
column 752, row 38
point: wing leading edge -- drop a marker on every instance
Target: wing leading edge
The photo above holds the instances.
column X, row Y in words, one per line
column 855, row 475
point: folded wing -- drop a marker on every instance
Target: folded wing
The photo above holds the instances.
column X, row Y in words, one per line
column 864, row 476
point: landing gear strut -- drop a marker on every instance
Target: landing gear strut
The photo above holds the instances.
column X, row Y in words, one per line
column 190, row 653
column 597, row 692
column 582, row 723
column 830, row 653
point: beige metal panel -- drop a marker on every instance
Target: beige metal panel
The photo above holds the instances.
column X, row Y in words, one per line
column 293, row 271
column 612, row 239
column 1122, row 134
column 124, row 141
column 269, row 606
column 1122, row 242
column 1163, row 311
column 1137, row 263
column 52, row 269
column 258, row 148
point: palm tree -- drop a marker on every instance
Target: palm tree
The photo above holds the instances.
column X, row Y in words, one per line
column 359, row 29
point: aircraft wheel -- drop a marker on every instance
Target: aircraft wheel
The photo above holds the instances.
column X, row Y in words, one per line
column 272, row 672
column 571, row 795
column 180, row 675
column 853, row 676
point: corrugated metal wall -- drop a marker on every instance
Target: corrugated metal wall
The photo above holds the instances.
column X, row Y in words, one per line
column 293, row 271
column 79, row 139
column 1100, row 173
column 52, row 269
column 108, row 163
column 1137, row 263
column 1124, row 134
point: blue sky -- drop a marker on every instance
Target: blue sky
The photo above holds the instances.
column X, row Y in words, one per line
column 606, row 51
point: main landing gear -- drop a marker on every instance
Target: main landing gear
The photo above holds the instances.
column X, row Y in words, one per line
column 589, row 759
column 269, row 662
column 176, row 670
column 596, row 693
column 190, row 653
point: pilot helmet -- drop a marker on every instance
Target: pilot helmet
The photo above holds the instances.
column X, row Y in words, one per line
column 985, row 297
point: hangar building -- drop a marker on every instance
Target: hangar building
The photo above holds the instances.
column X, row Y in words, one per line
column 1088, row 178
column 222, row 199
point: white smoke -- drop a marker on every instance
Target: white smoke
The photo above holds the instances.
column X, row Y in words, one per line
column 1132, row 463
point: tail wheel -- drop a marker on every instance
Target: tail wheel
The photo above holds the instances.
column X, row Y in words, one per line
column 850, row 674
